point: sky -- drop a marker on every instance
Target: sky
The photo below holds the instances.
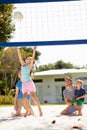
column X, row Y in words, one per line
column 54, row 21
column 75, row 54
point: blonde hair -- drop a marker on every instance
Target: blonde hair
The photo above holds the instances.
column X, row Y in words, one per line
column 80, row 81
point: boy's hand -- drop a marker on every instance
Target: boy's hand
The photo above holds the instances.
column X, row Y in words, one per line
column 15, row 107
column 77, row 98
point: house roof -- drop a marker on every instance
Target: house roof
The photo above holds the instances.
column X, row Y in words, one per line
column 60, row 71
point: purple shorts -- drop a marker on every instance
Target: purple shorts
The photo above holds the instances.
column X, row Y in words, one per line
column 28, row 87
column 72, row 109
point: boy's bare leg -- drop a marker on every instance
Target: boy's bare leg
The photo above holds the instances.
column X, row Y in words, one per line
column 80, row 111
column 77, row 107
column 18, row 113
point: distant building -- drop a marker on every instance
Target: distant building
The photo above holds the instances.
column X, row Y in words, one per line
column 50, row 83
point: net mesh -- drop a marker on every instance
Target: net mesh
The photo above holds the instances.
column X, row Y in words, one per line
column 50, row 21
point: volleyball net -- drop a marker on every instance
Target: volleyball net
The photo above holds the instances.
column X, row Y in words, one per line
column 50, row 21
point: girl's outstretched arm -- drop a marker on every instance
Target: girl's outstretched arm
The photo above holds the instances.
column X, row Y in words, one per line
column 20, row 56
column 33, row 57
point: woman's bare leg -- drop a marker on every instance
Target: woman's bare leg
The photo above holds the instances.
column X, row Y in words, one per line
column 65, row 111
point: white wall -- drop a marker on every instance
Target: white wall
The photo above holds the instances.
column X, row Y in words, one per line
column 51, row 91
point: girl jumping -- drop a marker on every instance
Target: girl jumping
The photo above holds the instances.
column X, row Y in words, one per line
column 27, row 83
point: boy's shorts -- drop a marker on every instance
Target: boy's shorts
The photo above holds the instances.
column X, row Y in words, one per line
column 79, row 102
column 20, row 103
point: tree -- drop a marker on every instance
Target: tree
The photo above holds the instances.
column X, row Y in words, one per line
column 6, row 25
column 50, row 66
column 9, row 68
column 1, row 51
column 60, row 65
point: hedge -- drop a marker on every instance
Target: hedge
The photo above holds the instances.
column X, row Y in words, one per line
column 6, row 100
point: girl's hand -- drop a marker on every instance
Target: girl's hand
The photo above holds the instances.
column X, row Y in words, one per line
column 18, row 47
column 35, row 47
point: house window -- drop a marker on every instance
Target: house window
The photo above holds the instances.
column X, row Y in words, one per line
column 38, row 80
column 82, row 78
column 59, row 79
column 85, row 87
column 62, row 88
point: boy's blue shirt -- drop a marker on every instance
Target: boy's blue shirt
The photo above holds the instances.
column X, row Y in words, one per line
column 19, row 86
column 80, row 92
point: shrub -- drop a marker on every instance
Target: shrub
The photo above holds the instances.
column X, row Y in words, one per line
column 6, row 100
column 12, row 92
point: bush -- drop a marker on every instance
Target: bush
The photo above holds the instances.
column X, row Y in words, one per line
column 12, row 92
column 6, row 100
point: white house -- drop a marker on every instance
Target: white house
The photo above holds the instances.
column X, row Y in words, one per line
column 50, row 83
